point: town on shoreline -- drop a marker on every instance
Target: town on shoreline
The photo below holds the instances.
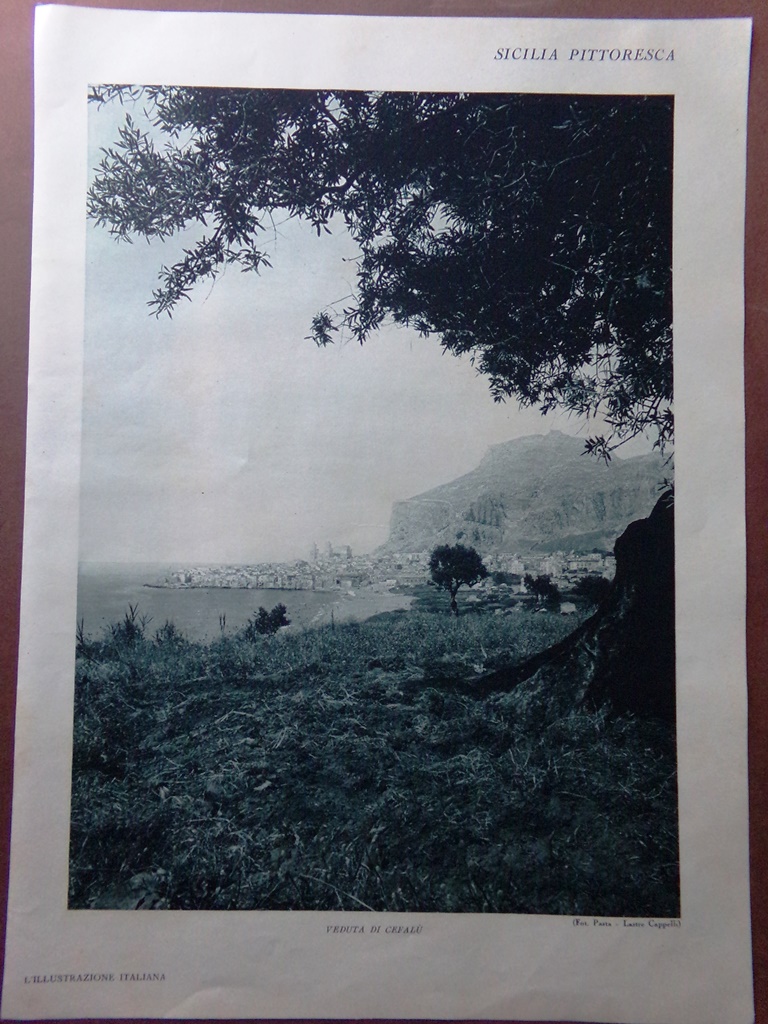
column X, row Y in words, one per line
column 340, row 570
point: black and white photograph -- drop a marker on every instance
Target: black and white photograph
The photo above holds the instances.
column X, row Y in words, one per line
column 384, row 553
column 376, row 591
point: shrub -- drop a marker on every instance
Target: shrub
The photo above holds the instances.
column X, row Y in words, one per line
column 169, row 633
column 265, row 623
column 131, row 630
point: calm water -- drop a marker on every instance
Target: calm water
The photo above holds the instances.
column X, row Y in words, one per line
column 106, row 590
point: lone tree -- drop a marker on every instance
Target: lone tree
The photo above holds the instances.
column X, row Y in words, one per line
column 545, row 591
column 455, row 566
column 532, row 232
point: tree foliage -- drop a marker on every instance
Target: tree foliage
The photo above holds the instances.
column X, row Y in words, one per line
column 502, row 578
column 531, row 231
column 594, row 588
column 455, row 566
column 545, row 589
column 265, row 623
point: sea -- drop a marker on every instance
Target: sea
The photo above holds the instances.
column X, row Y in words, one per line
column 106, row 591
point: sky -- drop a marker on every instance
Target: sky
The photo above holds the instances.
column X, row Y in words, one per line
column 225, row 435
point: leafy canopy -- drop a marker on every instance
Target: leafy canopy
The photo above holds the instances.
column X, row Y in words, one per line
column 543, row 588
column 532, row 232
column 454, row 566
column 266, row 623
column 594, row 588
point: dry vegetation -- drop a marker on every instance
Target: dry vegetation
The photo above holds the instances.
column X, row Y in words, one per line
column 344, row 769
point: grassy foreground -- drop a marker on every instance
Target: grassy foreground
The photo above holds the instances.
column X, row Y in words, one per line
column 341, row 769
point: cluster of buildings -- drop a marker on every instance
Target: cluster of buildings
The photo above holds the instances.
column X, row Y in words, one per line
column 329, row 570
column 341, row 570
column 565, row 569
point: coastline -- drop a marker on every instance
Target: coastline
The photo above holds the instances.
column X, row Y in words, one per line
column 204, row 612
column 360, row 605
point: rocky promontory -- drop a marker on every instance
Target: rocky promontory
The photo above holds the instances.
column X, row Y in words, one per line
column 537, row 493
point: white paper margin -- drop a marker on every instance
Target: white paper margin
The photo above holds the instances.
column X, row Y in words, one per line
column 461, row 966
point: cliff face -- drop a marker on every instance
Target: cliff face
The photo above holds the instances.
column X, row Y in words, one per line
column 538, row 493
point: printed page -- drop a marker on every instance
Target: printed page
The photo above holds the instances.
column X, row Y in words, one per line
column 384, row 563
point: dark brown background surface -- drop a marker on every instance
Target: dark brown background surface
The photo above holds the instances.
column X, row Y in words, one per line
column 16, row 20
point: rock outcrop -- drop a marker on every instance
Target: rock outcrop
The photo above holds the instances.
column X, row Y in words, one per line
column 537, row 493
